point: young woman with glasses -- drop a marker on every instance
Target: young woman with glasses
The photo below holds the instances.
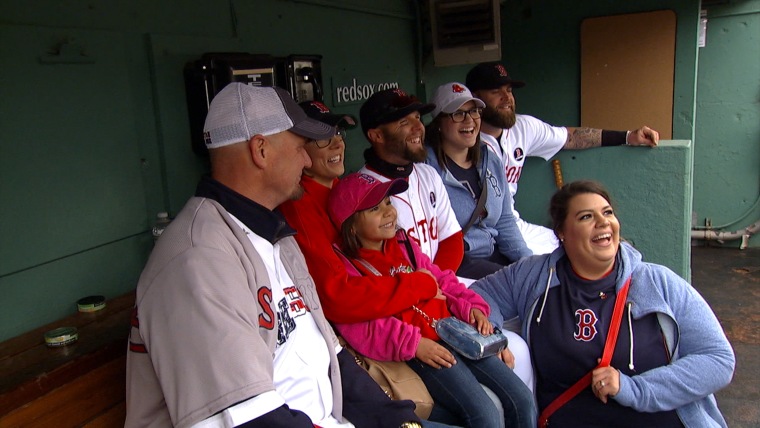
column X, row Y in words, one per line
column 471, row 173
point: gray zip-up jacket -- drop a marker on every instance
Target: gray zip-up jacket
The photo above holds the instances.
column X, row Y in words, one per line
column 205, row 330
column 702, row 360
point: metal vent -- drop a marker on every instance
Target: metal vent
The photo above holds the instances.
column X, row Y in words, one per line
column 464, row 22
column 464, row 31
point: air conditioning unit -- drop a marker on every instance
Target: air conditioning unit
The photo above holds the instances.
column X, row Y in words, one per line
column 465, row 31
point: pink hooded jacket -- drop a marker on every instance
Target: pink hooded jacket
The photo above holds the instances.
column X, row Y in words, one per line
column 390, row 339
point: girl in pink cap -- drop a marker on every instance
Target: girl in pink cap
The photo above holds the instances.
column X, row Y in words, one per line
column 371, row 245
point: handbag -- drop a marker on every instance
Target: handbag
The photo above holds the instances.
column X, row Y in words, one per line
column 397, row 380
column 465, row 338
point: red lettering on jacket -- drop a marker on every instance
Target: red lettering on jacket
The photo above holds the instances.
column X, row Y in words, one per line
column 266, row 317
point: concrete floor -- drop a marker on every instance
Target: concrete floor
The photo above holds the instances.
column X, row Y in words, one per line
column 729, row 279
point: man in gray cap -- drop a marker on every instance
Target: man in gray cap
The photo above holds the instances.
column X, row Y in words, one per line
column 514, row 137
column 227, row 328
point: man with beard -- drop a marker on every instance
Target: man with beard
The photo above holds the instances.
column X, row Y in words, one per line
column 514, row 137
column 391, row 121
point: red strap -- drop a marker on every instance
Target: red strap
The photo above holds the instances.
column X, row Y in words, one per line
column 609, row 349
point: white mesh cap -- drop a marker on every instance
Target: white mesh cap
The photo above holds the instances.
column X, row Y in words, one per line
column 240, row 111
column 450, row 96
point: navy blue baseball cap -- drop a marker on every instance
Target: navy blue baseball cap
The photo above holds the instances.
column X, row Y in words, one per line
column 490, row 75
column 389, row 106
column 317, row 110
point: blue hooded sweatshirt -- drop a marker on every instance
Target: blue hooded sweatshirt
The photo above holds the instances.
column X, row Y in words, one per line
column 498, row 226
column 702, row 360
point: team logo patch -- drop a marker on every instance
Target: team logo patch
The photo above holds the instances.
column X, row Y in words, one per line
column 585, row 325
column 457, row 88
column 519, row 154
column 399, row 92
column 367, row 178
column 432, row 199
column 289, row 308
column 502, row 71
column 493, row 182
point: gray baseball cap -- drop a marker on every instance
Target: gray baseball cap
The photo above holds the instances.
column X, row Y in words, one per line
column 240, row 111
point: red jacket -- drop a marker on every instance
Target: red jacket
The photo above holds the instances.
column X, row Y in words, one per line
column 390, row 338
column 346, row 299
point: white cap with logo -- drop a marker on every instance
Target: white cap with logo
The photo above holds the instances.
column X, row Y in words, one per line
column 450, row 96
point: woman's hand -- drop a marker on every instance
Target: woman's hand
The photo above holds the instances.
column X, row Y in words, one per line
column 480, row 321
column 439, row 293
column 433, row 354
column 508, row 358
column 605, row 382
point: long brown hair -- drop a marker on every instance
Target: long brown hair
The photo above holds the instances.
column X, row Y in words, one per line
column 350, row 242
column 434, row 138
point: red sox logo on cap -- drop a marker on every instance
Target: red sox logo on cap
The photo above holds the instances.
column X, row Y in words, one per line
column 502, row 71
column 368, row 178
column 399, row 92
column 321, row 107
column 457, row 88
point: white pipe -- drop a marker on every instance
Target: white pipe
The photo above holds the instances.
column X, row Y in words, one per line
column 743, row 234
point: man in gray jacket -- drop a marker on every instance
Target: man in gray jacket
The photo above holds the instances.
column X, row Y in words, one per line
column 227, row 328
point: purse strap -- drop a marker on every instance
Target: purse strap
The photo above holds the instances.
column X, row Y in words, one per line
column 609, row 349
column 432, row 321
column 478, row 209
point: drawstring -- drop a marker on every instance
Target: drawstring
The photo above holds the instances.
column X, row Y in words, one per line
column 546, row 294
column 630, row 337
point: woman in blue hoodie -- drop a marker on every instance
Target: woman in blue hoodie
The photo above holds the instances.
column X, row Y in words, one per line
column 475, row 182
column 671, row 353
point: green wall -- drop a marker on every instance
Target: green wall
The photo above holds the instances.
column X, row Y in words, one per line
column 96, row 138
column 727, row 143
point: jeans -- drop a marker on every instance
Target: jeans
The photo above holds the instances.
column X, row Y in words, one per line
column 457, row 389
column 476, row 268
column 431, row 424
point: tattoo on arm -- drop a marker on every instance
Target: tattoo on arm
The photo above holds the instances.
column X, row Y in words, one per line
column 583, row 138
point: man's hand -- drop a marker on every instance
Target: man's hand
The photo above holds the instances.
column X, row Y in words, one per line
column 644, row 136
column 433, row 354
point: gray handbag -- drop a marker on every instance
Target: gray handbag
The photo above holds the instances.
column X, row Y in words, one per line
column 465, row 338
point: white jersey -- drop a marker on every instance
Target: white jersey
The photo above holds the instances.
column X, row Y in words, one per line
column 424, row 210
column 301, row 358
column 528, row 137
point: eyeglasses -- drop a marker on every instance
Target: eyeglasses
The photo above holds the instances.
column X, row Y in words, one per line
column 459, row 115
column 324, row 143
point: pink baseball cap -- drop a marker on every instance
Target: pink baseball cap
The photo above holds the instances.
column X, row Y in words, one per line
column 357, row 192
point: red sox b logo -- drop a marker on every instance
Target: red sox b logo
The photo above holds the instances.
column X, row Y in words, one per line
column 457, row 88
column 586, row 325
